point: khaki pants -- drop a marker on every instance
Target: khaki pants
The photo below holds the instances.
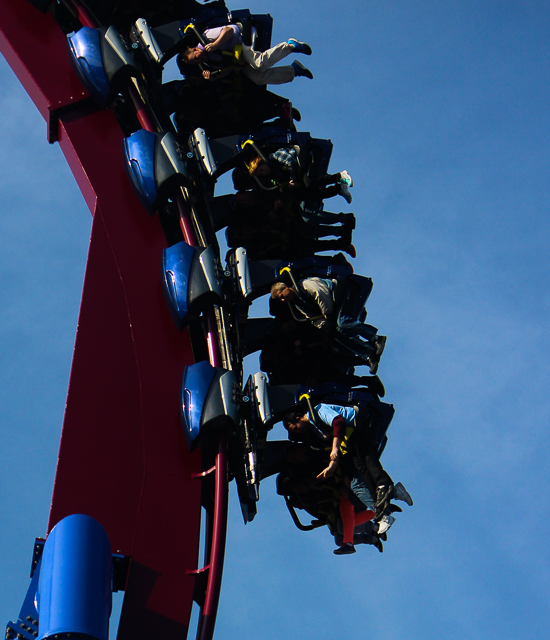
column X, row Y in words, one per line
column 259, row 63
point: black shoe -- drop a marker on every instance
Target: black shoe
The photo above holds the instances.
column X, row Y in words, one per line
column 344, row 550
column 349, row 220
column 394, row 508
column 372, row 364
column 384, row 493
column 383, row 536
column 390, row 508
column 377, row 542
column 375, row 385
column 379, row 344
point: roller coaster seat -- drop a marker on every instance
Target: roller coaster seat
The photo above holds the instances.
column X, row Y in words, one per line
column 102, row 62
column 253, row 279
column 155, row 167
column 313, row 153
column 350, row 292
column 208, row 401
column 191, row 281
column 352, row 298
column 255, row 30
column 235, row 151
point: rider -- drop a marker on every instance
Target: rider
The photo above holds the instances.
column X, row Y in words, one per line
column 313, row 298
column 257, row 64
column 339, row 424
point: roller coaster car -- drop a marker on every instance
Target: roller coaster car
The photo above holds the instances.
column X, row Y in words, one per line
column 161, row 43
column 246, row 453
column 247, row 280
column 102, row 61
column 350, row 294
column 191, row 281
column 155, row 167
column 210, row 398
column 252, row 279
column 212, row 401
column 373, row 415
column 252, row 457
column 217, row 156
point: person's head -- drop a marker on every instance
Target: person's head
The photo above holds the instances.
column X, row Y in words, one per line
column 301, row 484
column 296, row 422
column 282, row 293
column 297, row 453
column 245, row 199
column 258, row 167
column 193, row 55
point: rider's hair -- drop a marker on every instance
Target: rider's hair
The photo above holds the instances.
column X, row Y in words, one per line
column 254, row 164
column 291, row 417
column 278, row 287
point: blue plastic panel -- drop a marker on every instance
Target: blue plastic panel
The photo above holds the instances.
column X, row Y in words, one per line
column 87, row 61
column 74, row 588
column 197, row 379
column 177, row 261
column 139, row 152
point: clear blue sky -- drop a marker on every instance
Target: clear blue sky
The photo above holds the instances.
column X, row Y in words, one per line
column 440, row 113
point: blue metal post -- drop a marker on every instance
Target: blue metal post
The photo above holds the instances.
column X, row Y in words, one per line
column 74, row 589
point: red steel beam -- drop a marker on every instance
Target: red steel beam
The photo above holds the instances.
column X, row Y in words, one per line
column 122, row 456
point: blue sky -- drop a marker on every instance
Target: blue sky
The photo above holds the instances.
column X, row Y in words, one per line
column 440, row 113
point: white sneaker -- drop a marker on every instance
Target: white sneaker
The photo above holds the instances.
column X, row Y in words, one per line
column 385, row 524
column 344, row 191
column 400, row 493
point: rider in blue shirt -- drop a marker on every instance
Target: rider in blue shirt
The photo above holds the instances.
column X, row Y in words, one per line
column 337, row 423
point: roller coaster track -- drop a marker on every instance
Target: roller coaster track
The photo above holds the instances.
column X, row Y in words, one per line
column 122, row 457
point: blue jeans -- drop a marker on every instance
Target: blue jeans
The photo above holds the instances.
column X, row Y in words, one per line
column 359, row 489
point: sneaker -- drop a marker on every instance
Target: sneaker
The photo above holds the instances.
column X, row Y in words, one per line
column 300, row 47
column 300, row 70
column 394, row 508
column 400, row 493
column 345, row 178
column 344, row 192
column 379, row 344
column 351, row 251
column 344, row 550
column 385, row 524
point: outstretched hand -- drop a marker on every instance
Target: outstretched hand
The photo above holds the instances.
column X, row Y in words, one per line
column 329, row 471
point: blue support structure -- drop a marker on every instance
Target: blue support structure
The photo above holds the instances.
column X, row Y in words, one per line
column 75, row 580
